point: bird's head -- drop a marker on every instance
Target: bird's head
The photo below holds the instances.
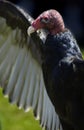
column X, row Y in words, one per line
column 50, row 20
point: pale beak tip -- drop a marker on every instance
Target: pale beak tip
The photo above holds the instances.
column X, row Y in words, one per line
column 30, row 30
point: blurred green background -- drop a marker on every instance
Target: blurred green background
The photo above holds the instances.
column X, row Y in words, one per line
column 11, row 118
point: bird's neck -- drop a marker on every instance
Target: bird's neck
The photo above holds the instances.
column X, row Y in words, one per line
column 55, row 31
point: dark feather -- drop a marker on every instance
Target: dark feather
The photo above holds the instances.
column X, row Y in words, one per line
column 63, row 70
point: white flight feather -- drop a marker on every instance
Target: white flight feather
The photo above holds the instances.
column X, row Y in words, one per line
column 50, row 115
column 15, row 72
column 24, row 93
column 2, row 25
column 30, row 90
column 46, row 113
column 12, row 57
column 2, row 40
column 43, row 107
column 40, row 99
column 5, row 48
column 36, row 90
column 32, row 84
column 7, row 63
column 20, row 81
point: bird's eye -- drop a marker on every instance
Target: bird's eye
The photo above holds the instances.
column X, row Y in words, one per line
column 44, row 20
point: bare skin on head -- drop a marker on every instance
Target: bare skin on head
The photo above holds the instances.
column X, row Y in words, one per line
column 50, row 20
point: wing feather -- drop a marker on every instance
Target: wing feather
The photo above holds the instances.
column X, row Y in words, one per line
column 21, row 76
column 20, row 82
column 25, row 89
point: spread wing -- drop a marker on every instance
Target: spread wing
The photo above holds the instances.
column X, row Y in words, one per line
column 21, row 75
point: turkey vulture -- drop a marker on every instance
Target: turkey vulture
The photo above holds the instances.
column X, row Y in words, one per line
column 41, row 69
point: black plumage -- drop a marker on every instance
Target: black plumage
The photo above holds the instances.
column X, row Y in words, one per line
column 63, row 70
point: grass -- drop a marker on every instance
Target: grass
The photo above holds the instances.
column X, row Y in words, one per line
column 11, row 118
column 82, row 49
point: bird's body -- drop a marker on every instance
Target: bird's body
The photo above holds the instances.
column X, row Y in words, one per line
column 63, row 70
column 62, row 79
column 34, row 64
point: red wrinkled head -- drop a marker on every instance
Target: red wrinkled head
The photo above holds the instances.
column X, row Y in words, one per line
column 50, row 20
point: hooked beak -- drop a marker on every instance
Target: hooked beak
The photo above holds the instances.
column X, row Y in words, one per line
column 35, row 26
column 30, row 30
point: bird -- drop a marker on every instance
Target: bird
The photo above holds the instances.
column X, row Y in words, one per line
column 41, row 67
